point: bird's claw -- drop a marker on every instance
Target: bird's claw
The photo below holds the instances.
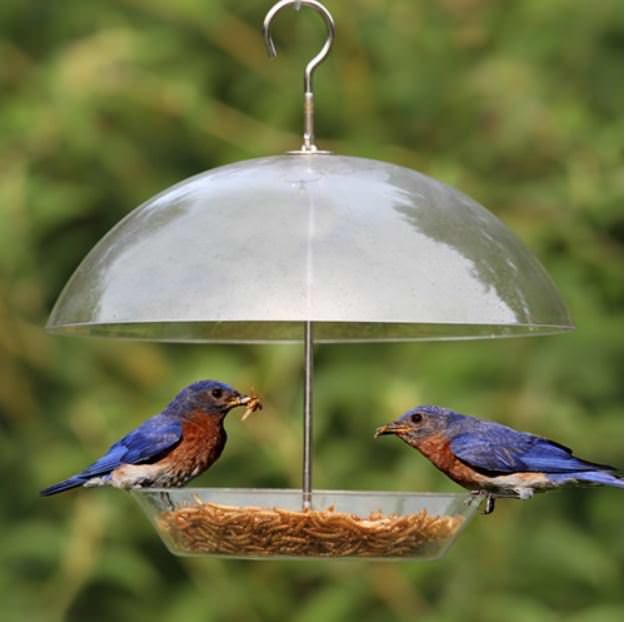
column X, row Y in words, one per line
column 490, row 500
column 490, row 504
column 166, row 500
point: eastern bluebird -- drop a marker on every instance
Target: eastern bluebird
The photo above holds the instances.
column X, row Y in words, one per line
column 170, row 448
column 493, row 459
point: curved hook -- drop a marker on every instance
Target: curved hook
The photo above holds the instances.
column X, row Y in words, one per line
column 311, row 66
column 321, row 55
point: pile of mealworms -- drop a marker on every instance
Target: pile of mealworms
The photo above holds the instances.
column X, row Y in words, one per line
column 259, row 532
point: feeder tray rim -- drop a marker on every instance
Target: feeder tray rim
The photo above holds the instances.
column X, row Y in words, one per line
column 315, row 491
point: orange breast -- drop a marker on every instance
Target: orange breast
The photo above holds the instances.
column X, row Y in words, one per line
column 202, row 444
column 437, row 449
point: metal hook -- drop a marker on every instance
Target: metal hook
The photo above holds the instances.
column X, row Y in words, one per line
column 309, row 135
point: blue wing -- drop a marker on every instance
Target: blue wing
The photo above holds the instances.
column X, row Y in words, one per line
column 144, row 444
column 496, row 449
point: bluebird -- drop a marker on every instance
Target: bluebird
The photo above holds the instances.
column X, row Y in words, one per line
column 170, row 448
column 492, row 459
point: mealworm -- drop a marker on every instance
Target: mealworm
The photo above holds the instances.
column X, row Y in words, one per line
column 230, row 530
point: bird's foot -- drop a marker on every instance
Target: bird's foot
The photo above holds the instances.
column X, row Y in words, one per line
column 167, row 501
column 490, row 504
column 490, row 500
column 524, row 492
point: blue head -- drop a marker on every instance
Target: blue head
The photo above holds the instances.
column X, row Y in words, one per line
column 422, row 422
column 212, row 397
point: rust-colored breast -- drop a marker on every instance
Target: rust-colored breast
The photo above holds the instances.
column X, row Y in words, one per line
column 202, row 444
column 437, row 449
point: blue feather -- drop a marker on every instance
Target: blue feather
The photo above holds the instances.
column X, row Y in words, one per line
column 589, row 477
column 495, row 448
column 146, row 443
column 547, row 457
column 492, row 448
column 143, row 444
column 68, row 484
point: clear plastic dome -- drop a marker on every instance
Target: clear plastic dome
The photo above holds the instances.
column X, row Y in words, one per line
column 367, row 250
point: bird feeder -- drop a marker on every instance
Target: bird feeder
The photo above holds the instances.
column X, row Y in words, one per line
column 310, row 247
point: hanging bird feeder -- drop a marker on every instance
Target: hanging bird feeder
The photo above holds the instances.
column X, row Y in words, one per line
column 309, row 247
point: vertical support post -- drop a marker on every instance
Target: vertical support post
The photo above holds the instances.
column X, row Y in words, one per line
column 307, row 486
column 309, row 123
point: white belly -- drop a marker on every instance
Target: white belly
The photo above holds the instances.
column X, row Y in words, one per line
column 519, row 485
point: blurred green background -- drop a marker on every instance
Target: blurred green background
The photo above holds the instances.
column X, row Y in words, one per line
column 103, row 104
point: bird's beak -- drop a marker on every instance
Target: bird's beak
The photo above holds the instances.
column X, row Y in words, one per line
column 391, row 428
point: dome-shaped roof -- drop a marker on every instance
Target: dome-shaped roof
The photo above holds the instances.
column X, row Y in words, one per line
column 367, row 250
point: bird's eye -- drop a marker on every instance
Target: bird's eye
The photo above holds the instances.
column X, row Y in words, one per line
column 217, row 393
column 416, row 418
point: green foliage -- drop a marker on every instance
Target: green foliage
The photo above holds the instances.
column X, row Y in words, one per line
column 103, row 104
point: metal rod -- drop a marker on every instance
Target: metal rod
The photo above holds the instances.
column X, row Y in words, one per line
column 309, row 123
column 307, row 478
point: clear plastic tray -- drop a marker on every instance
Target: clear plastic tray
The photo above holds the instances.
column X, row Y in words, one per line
column 269, row 524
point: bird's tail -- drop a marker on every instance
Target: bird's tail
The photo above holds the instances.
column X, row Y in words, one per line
column 68, row 484
column 602, row 478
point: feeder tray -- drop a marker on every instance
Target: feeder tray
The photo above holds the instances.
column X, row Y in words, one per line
column 312, row 247
column 272, row 523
